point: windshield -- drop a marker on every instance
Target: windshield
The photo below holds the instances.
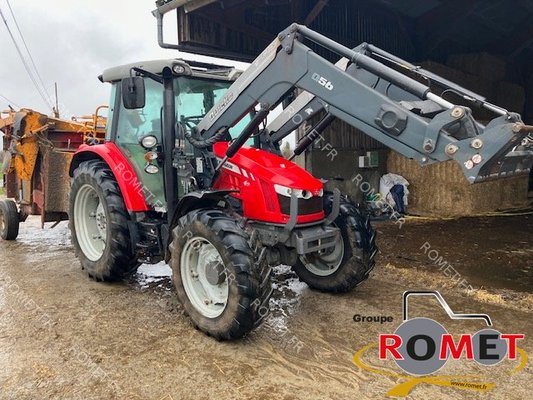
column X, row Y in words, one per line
column 195, row 97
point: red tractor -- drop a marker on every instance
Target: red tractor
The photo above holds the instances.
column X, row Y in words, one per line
column 152, row 192
column 188, row 175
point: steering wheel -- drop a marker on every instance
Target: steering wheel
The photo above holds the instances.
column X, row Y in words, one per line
column 192, row 120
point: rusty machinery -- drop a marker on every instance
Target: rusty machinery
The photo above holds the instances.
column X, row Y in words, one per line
column 35, row 162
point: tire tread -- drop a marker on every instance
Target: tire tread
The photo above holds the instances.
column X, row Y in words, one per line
column 121, row 261
column 11, row 219
column 251, row 274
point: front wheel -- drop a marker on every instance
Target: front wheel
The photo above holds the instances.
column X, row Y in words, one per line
column 98, row 221
column 221, row 277
column 349, row 262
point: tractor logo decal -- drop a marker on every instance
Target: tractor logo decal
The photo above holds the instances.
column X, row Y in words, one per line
column 231, row 167
column 226, row 100
column 421, row 346
column 322, row 81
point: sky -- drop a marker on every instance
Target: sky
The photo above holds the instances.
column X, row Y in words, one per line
column 72, row 42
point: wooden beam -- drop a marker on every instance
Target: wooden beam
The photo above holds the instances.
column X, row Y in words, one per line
column 251, row 30
column 234, row 20
column 227, row 4
column 450, row 8
column 439, row 22
column 519, row 40
column 315, row 12
column 189, row 7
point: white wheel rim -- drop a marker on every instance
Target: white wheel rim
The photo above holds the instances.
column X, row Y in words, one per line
column 197, row 256
column 325, row 263
column 91, row 223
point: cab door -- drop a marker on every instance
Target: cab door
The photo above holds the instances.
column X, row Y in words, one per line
column 131, row 127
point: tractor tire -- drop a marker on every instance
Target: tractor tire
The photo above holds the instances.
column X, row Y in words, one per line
column 98, row 222
column 350, row 262
column 221, row 275
column 9, row 220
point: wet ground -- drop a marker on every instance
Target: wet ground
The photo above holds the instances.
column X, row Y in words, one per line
column 492, row 252
column 63, row 336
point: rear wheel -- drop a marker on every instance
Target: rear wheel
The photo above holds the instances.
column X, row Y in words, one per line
column 99, row 223
column 9, row 220
column 221, row 277
column 343, row 267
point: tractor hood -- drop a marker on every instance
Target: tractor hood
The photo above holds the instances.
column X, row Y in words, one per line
column 269, row 167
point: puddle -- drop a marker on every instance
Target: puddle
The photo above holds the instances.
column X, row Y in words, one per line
column 285, row 300
column 156, row 276
column 31, row 235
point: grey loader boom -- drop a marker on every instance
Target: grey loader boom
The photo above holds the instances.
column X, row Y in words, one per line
column 378, row 94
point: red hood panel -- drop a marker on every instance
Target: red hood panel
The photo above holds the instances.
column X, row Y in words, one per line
column 270, row 167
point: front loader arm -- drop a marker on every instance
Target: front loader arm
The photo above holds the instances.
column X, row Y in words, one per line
column 430, row 130
column 301, row 110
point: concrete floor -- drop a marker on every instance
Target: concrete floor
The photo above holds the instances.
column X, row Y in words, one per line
column 63, row 336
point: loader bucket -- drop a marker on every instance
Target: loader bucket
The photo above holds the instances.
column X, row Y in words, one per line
column 506, row 151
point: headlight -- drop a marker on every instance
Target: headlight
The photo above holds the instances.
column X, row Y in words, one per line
column 151, row 169
column 149, row 142
column 301, row 194
column 178, row 69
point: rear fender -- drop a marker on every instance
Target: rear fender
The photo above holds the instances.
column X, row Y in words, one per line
column 130, row 185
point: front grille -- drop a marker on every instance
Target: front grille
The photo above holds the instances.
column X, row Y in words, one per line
column 312, row 205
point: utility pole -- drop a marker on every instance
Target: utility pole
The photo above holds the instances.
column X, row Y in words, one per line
column 56, row 108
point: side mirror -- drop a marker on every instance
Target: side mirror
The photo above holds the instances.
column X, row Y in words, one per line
column 133, row 93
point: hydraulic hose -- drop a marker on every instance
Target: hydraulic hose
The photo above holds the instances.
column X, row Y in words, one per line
column 205, row 143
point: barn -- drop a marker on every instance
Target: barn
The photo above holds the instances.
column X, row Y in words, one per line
column 485, row 46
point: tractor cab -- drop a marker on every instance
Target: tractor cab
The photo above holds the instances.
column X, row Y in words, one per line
column 154, row 101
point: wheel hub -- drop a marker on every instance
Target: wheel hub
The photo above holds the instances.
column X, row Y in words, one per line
column 203, row 276
column 101, row 221
column 325, row 262
column 214, row 273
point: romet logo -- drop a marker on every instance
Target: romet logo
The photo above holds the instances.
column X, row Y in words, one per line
column 422, row 346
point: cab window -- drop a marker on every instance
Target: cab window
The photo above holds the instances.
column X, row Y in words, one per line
column 135, row 124
column 195, row 97
column 111, row 112
column 132, row 126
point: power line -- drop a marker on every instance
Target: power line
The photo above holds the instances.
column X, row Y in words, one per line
column 9, row 101
column 28, row 50
column 24, row 62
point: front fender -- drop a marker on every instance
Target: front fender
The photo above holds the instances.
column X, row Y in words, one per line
column 196, row 200
column 131, row 187
column 189, row 202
